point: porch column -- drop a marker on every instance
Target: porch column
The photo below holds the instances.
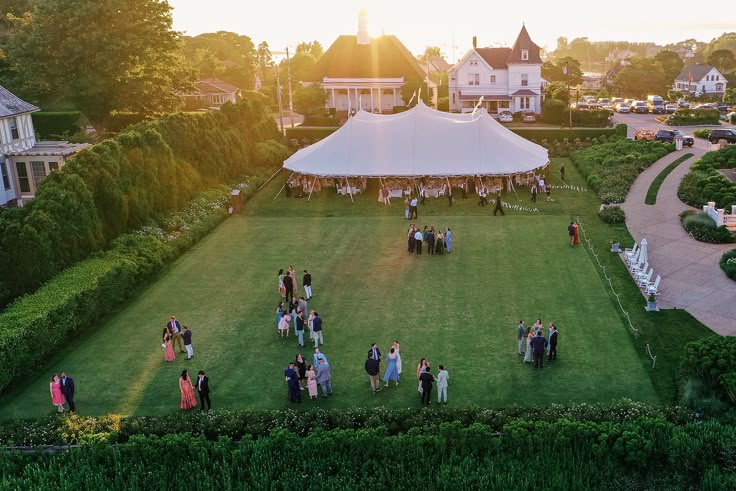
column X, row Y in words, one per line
column 395, row 97
column 380, row 101
column 334, row 103
column 372, row 106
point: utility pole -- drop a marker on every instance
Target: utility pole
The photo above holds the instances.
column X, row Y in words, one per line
column 281, row 107
column 569, row 100
column 291, row 102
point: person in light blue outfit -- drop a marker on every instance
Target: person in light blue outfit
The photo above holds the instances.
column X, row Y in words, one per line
column 318, row 356
column 279, row 313
column 392, row 372
column 448, row 240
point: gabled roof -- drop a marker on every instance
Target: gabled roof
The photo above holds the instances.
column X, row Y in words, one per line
column 440, row 64
column 495, row 57
column 524, row 42
column 384, row 57
column 11, row 105
column 697, row 72
column 215, row 86
column 614, row 71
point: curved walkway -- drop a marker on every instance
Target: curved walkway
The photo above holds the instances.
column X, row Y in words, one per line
column 691, row 276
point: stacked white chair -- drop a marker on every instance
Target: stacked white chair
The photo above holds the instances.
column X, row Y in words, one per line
column 629, row 253
column 644, row 279
column 652, row 288
column 639, row 270
column 634, row 259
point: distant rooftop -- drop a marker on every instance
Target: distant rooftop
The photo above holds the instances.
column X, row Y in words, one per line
column 52, row 148
column 11, row 105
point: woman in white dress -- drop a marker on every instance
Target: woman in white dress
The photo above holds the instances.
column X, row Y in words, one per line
column 529, row 356
column 395, row 346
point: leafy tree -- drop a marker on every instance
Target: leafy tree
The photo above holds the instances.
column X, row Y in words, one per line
column 674, row 95
column 566, row 69
column 723, row 59
column 430, row 52
column 643, row 76
column 558, row 91
column 671, row 63
column 122, row 55
column 234, row 57
column 730, row 96
column 415, row 86
column 313, row 48
column 310, row 100
column 300, row 65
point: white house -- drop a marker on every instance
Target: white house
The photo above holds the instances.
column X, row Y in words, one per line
column 213, row 92
column 509, row 79
column 367, row 72
column 700, row 79
column 24, row 162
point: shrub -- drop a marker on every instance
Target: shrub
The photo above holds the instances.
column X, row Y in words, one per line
column 701, row 133
column 705, row 183
column 321, row 121
column 689, row 117
column 728, row 264
column 702, row 227
column 611, row 167
column 588, row 119
column 552, row 111
column 612, row 214
column 443, row 104
column 712, row 361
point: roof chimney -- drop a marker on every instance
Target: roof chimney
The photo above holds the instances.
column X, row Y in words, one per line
column 475, row 42
column 363, row 36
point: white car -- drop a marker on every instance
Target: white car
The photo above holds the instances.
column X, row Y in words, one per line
column 505, row 117
column 622, row 108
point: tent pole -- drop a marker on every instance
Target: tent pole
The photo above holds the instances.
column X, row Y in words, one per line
column 350, row 190
column 312, row 188
column 269, row 179
column 282, row 187
column 449, row 188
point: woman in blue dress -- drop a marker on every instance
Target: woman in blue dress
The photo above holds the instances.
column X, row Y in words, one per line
column 392, row 372
column 279, row 313
column 448, row 240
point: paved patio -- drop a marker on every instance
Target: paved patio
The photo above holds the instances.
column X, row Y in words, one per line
column 691, row 276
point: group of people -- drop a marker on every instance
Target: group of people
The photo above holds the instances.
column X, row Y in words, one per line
column 536, row 344
column 62, row 391
column 174, row 334
column 186, row 388
column 572, row 230
column 294, row 316
column 393, row 373
column 436, row 243
column 301, row 376
column 288, row 287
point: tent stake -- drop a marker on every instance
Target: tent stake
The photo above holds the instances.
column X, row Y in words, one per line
column 282, row 187
column 312, row 188
column 269, row 179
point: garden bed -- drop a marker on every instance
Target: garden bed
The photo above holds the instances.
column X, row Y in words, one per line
column 701, row 227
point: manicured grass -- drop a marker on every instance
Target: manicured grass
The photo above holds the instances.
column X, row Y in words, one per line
column 651, row 197
column 459, row 310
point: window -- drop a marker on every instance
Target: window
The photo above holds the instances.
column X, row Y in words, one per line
column 6, row 177
column 523, row 103
column 14, row 129
column 525, row 54
column 473, row 78
column 718, row 77
column 39, row 172
column 25, row 185
column 53, row 166
column 524, row 80
column 473, row 62
column 493, row 79
column 503, row 104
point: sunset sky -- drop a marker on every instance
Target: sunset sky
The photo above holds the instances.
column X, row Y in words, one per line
column 420, row 24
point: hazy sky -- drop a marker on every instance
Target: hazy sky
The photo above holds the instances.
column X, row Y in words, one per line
column 422, row 23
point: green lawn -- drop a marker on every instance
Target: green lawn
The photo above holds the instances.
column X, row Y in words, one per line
column 459, row 310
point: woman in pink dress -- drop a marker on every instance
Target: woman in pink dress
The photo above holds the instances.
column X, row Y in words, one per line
column 311, row 382
column 292, row 273
column 168, row 349
column 187, row 391
column 282, row 287
column 57, row 398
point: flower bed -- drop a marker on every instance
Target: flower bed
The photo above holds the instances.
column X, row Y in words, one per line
column 728, row 264
column 705, row 183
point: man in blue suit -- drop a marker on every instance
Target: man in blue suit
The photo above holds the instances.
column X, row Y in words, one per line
column 538, row 345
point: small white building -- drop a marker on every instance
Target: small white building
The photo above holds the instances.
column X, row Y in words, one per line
column 24, row 162
column 212, row 92
column 509, row 79
column 700, row 79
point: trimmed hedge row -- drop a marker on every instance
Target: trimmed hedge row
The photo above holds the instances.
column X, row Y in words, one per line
column 610, row 168
column 51, row 125
column 703, row 228
column 689, row 117
column 35, row 325
column 705, row 183
column 647, row 453
column 122, row 183
column 598, row 118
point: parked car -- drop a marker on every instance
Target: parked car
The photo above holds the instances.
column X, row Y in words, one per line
column 644, row 134
column 528, row 116
column 683, row 103
column 604, row 101
column 669, row 136
column 670, row 108
column 623, row 108
column 724, row 108
column 616, row 100
column 505, row 117
column 727, row 134
column 639, row 107
column 706, row 106
column 629, row 102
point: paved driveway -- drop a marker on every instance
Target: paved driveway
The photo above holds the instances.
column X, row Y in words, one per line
column 648, row 121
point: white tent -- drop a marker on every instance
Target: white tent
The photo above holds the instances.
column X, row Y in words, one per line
column 419, row 142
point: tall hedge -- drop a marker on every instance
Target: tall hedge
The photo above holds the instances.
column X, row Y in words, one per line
column 705, row 183
column 122, row 183
column 54, row 124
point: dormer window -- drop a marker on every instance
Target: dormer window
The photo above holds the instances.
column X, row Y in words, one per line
column 473, row 62
column 525, row 55
column 14, row 129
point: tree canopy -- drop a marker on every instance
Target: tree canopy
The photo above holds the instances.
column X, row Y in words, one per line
column 723, row 59
column 642, row 77
column 566, row 69
column 102, row 55
column 226, row 55
column 671, row 63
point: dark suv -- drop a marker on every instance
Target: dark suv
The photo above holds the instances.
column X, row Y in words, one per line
column 669, row 136
column 722, row 134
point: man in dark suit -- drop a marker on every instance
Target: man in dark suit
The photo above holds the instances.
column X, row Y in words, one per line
column 375, row 352
column 307, row 282
column 203, row 387
column 427, row 380
column 538, row 345
column 552, row 342
column 499, row 206
column 175, row 331
column 371, row 366
column 289, row 286
column 67, row 388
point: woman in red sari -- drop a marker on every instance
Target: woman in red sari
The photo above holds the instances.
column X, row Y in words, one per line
column 576, row 237
column 187, row 391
